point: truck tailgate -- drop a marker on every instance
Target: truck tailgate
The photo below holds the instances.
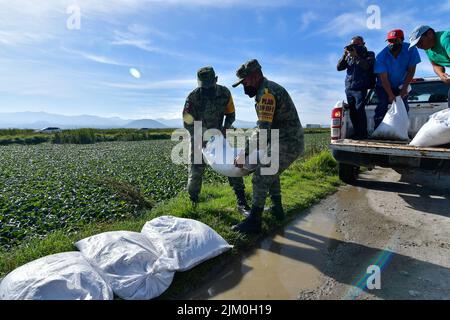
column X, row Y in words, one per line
column 390, row 148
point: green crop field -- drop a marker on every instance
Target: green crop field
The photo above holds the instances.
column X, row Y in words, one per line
column 47, row 187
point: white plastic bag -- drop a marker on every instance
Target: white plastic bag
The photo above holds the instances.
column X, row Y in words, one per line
column 435, row 132
column 395, row 123
column 129, row 263
column 62, row 276
column 219, row 155
column 185, row 242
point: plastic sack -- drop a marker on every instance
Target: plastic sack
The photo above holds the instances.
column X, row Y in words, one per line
column 220, row 155
column 62, row 276
column 128, row 262
column 435, row 132
column 395, row 123
column 185, row 242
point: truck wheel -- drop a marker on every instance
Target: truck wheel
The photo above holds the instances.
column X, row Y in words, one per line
column 348, row 173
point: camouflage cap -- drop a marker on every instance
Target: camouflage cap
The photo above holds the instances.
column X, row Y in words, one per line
column 206, row 77
column 246, row 69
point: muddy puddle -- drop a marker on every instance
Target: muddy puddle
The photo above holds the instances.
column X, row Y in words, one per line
column 282, row 264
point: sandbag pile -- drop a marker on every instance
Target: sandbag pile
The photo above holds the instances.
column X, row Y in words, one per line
column 184, row 243
column 62, row 276
column 435, row 132
column 128, row 262
column 395, row 123
column 131, row 265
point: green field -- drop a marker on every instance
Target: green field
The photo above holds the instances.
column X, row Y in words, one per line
column 47, row 187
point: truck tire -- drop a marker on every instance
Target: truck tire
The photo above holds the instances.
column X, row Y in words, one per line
column 348, row 173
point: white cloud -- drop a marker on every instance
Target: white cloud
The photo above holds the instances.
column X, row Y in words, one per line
column 306, row 20
column 15, row 38
column 96, row 58
column 346, row 24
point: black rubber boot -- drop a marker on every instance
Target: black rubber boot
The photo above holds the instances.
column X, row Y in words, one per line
column 251, row 224
column 194, row 201
column 242, row 205
column 276, row 209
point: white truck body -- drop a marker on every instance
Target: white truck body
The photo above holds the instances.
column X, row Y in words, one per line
column 427, row 96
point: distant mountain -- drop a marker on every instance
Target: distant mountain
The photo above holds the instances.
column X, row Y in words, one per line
column 145, row 123
column 39, row 120
column 171, row 123
column 178, row 123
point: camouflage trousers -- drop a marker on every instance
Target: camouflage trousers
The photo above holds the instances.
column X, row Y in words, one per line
column 264, row 184
column 195, row 179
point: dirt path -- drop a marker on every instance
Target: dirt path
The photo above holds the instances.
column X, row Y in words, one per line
column 400, row 223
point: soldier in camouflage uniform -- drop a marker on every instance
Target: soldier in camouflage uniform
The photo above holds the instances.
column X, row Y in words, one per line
column 210, row 103
column 275, row 110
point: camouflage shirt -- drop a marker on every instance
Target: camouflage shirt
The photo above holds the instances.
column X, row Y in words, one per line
column 210, row 110
column 276, row 110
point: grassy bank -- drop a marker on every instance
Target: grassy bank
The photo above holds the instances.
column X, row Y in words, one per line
column 305, row 183
column 88, row 136
column 81, row 136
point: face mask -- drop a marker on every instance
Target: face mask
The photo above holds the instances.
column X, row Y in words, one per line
column 394, row 46
column 250, row 91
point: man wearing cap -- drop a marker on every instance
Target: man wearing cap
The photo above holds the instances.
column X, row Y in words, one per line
column 275, row 111
column 395, row 66
column 437, row 48
column 210, row 103
column 359, row 63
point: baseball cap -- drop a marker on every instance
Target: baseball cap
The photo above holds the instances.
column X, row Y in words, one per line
column 206, row 77
column 419, row 31
column 395, row 34
column 245, row 70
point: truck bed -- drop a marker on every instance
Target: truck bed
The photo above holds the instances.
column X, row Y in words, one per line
column 391, row 148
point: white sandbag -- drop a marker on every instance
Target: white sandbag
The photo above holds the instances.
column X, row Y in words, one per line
column 441, row 115
column 62, row 276
column 435, row 132
column 185, row 242
column 129, row 263
column 220, row 155
column 395, row 123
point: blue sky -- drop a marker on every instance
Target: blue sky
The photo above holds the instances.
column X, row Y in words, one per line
column 44, row 66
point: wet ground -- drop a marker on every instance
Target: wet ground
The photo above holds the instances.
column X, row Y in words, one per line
column 282, row 264
column 396, row 224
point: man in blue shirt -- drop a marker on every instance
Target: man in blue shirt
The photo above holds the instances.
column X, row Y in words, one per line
column 395, row 66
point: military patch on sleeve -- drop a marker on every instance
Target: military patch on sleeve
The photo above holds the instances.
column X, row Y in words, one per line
column 230, row 106
column 187, row 113
column 187, row 107
column 266, row 107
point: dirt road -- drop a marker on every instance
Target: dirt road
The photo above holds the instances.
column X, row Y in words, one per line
column 399, row 223
column 402, row 224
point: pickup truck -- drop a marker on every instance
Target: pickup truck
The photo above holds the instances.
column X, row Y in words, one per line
column 427, row 96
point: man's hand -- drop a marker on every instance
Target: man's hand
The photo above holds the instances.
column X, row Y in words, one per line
column 240, row 160
column 444, row 77
column 353, row 53
column 404, row 91
column 391, row 98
